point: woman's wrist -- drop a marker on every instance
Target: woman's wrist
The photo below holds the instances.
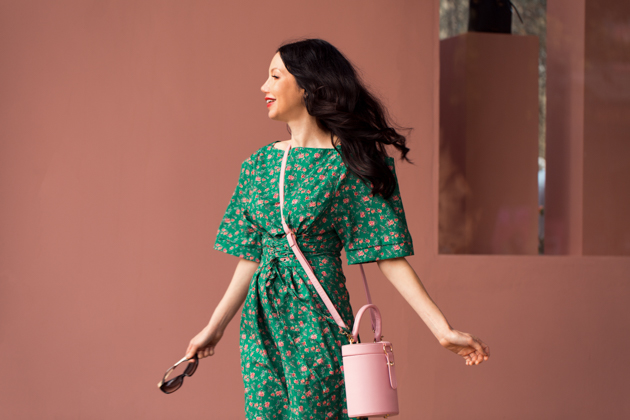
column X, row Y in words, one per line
column 213, row 326
column 443, row 333
column 221, row 317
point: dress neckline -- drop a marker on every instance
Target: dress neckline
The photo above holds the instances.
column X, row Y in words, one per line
column 272, row 145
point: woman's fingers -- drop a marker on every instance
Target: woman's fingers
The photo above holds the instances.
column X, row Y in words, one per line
column 479, row 346
column 480, row 357
column 479, row 354
column 205, row 352
column 190, row 351
column 486, row 348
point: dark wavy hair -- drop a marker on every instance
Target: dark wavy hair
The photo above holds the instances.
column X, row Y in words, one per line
column 336, row 96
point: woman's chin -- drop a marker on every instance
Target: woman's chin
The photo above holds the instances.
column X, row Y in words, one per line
column 273, row 116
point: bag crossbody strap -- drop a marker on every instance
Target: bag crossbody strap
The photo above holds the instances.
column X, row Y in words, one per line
column 369, row 298
column 291, row 237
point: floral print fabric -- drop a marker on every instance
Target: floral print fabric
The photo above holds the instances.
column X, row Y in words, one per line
column 290, row 345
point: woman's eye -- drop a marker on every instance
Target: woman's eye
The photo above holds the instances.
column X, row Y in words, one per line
column 275, row 77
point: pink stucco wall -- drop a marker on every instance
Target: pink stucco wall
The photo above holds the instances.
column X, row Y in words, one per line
column 122, row 127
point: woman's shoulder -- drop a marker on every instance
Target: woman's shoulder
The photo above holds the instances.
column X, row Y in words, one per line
column 260, row 154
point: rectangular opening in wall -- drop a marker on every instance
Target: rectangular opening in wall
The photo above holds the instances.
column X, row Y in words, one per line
column 492, row 127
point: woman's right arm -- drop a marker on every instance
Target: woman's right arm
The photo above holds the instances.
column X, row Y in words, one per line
column 203, row 343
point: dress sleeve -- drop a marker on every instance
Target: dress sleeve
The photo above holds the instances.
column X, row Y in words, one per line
column 371, row 227
column 237, row 234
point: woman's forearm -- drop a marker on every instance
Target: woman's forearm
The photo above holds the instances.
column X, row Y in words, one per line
column 406, row 281
column 234, row 296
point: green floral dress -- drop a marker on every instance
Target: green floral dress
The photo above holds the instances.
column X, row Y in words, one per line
column 290, row 344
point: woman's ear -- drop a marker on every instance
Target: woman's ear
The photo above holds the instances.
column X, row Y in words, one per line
column 304, row 98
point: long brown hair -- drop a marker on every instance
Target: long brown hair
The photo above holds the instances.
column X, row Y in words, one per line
column 337, row 98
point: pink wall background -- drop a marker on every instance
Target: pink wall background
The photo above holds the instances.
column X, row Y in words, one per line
column 122, row 127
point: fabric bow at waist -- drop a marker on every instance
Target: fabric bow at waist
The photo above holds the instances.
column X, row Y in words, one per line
column 277, row 256
column 312, row 246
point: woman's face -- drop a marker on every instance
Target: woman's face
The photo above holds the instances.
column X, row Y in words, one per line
column 281, row 86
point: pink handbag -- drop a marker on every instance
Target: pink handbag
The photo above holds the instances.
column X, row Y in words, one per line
column 368, row 368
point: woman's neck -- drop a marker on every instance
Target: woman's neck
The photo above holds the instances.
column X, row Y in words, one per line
column 309, row 135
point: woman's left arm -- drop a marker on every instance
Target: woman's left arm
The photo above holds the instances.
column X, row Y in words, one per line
column 406, row 281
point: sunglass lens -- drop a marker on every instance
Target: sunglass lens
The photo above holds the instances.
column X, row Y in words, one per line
column 192, row 366
column 172, row 385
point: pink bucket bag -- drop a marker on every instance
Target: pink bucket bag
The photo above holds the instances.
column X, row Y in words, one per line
column 368, row 368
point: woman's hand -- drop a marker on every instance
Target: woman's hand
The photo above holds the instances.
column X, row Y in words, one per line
column 471, row 348
column 203, row 343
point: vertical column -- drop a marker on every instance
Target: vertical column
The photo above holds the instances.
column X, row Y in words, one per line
column 565, row 127
column 588, row 121
column 606, row 196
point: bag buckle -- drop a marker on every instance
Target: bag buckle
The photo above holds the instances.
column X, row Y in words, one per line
column 387, row 354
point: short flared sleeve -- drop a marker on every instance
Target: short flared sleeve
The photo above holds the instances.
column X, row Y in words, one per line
column 237, row 235
column 371, row 227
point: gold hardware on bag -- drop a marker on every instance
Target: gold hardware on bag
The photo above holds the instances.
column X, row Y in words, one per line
column 387, row 355
column 348, row 335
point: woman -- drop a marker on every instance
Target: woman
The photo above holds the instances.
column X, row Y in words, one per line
column 290, row 344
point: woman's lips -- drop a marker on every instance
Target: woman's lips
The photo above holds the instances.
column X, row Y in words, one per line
column 269, row 104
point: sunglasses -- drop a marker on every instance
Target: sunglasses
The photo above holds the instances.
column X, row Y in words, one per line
column 175, row 383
